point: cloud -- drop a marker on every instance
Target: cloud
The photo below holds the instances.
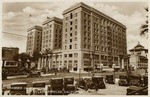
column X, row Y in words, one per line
column 9, row 15
column 30, row 10
column 19, row 21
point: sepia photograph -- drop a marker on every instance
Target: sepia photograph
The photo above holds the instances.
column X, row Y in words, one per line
column 74, row 48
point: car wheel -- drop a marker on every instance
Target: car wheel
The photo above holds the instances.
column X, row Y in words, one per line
column 120, row 84
column 86, row 88
column 103, row 86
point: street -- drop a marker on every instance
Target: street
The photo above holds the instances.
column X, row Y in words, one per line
column 111, row 89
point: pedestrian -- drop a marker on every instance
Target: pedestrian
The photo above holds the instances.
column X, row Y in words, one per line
column 96, row 87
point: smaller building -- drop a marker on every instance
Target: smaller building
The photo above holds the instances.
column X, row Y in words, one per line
column 138, row 57
column 8, row 54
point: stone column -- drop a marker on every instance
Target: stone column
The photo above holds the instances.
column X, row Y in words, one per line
column 49, row 62
column 42, row 63
column 39, row 63
column 122, row 61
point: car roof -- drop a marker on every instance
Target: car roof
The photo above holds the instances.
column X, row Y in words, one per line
column 97, row 76
column 19, row 83
column 87, row 77
column 38, row 82
column 69, row 77
column 56, row 78
column 122, row 75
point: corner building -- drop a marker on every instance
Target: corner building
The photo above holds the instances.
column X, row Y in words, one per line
column 91, row 38
column 34, row 39
column 138, row 57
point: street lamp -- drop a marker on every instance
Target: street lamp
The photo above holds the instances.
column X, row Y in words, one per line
column 114, row 68
column 101, row 68
column 79, row 74
column 93, row 56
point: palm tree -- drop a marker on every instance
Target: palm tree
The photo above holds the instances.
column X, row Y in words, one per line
column 48, row 53
column 35, row 57
column 144, row 27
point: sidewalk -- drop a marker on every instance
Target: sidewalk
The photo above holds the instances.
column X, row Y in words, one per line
column 17, row 76
column 25, row 76
column 48, row 74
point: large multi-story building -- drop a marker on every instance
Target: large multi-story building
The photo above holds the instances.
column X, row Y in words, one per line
column 84, row 40
column 52, row 42
column 138, row 57
column 91, row 38
column 34, row 39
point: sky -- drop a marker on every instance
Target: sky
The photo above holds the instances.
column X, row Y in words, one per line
column 15, row 19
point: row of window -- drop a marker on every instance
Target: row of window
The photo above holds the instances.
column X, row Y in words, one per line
column 103, row 21
column 70, row 55
column 71, row 16
column 71, row 47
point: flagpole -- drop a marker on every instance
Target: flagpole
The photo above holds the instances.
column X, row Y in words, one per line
column 30, row 20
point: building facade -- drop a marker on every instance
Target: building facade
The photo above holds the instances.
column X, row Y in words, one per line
column 51, row 43
column 8, row 54
column 34, row 39
column 91, row 38
column 138, row 57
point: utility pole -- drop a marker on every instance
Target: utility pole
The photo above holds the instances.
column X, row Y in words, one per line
column 93, row 56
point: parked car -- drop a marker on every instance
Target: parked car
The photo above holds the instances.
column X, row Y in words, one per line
column 34, row 73
column 87, row 83
column 69, row 85
column 145, row 80
column 135, row 80
column 98, row 81
column 110, row 79
column 135, row 90
column 123, row 80
column 56, row 86
column 38, row 88
column 4, row 74
column 18, row 88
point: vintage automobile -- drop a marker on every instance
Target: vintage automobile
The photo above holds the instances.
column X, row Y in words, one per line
column 38, row 88
column 69, row 85
column 98, row 80
column 34, row 73
column 110, row 79
column 56, row 86
column 87, row 83
column 18, row 88
column 4, row 74
column 135, row 80
column 123, row 80
column 145, row 80
column 135, row 90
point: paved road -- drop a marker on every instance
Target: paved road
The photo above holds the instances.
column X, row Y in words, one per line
column 111, row 89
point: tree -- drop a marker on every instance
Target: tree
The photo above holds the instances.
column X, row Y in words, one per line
column 35, row 57
column 25, row 58
column 48, row 53
column 16, row 57
column 144, row 27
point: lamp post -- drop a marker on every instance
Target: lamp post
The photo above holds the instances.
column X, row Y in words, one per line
column 56, row 56
column 79, row 73
column 93, row 56
column 114, row 69
column 101, row 68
